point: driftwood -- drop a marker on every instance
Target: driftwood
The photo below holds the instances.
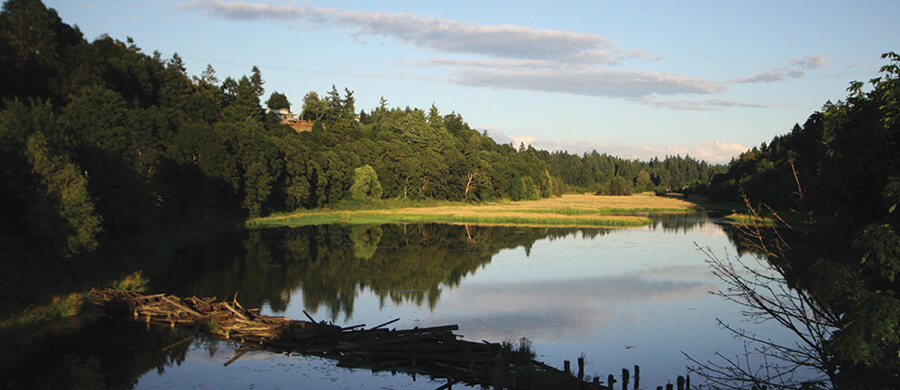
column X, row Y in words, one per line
column 433, row 351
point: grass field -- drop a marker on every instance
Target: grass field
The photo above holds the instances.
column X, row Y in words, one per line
column 571, row 210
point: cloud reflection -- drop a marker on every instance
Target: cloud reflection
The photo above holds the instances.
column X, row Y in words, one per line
column 567, row 309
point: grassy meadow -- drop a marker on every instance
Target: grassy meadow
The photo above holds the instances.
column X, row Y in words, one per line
column 571, row 210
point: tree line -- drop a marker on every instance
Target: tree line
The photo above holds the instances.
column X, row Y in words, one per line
column 99, row 140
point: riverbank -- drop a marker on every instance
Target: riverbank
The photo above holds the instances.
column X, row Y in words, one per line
column 570, row 210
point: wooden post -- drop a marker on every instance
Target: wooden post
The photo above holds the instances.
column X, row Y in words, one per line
column 680, row 382
column 637, row 376
column 626, row 377
column 687, row 382
column 610, row 381
column 581, row 368
column 567, row 367
column 669, row 386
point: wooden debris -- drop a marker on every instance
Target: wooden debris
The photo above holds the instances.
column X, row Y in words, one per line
column 434, row 351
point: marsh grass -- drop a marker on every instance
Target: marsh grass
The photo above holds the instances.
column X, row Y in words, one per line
column 745, row 219
column 573, row 210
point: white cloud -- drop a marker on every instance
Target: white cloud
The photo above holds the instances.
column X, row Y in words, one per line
column 704, row 105
column 496, row 134
column 617, row 83
column 242, row 10
column 500, row 64
column 858, row 64
column 713, row 152
column 794, row 70
column 517, row 141
column 643, row 55
column 436, row 34
column 716, row 152
column 719, row 151
column 809, row 62
column 517, row 57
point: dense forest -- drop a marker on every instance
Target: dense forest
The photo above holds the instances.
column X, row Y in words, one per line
column 836, row 181
column 100, row 141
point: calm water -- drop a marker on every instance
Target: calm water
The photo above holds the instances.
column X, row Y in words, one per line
column 620, row 297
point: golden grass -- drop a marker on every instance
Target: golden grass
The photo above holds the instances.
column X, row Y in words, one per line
column 745, row 219
column 573, row 210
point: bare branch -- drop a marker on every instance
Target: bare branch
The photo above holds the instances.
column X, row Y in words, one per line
column 762, row 292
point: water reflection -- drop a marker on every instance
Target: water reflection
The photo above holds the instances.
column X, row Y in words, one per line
column 571, row 291
column 109, row 354
column 678, row 223
column 559, row 310
column 331, row 264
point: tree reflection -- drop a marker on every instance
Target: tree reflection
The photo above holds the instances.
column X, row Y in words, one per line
column 365, row 240
column 332, row 264
column 108, row 354
column 678, row 222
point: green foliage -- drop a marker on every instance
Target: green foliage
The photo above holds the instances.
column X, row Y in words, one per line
column 313, row 107
column 65, row 212
column 660, row 191
column 619, row 186
column 838, row 173
column 642, row 182
column 517, row 188
column 365, row 185
column 278, row 100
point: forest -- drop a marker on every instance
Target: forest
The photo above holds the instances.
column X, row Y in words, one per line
column 101, row 141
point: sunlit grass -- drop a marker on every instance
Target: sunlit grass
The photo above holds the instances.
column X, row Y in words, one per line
column 573, row 210
column 63, row 314
column 744, row 219
column 133, row 282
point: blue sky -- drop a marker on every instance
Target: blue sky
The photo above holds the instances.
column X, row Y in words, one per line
column 635, row 79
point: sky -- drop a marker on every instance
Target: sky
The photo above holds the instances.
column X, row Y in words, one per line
column 634, row 79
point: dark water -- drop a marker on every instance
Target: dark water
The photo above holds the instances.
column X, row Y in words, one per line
column 618, row 297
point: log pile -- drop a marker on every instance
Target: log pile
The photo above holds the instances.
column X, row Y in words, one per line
column 435, row 351
column 224, row 319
